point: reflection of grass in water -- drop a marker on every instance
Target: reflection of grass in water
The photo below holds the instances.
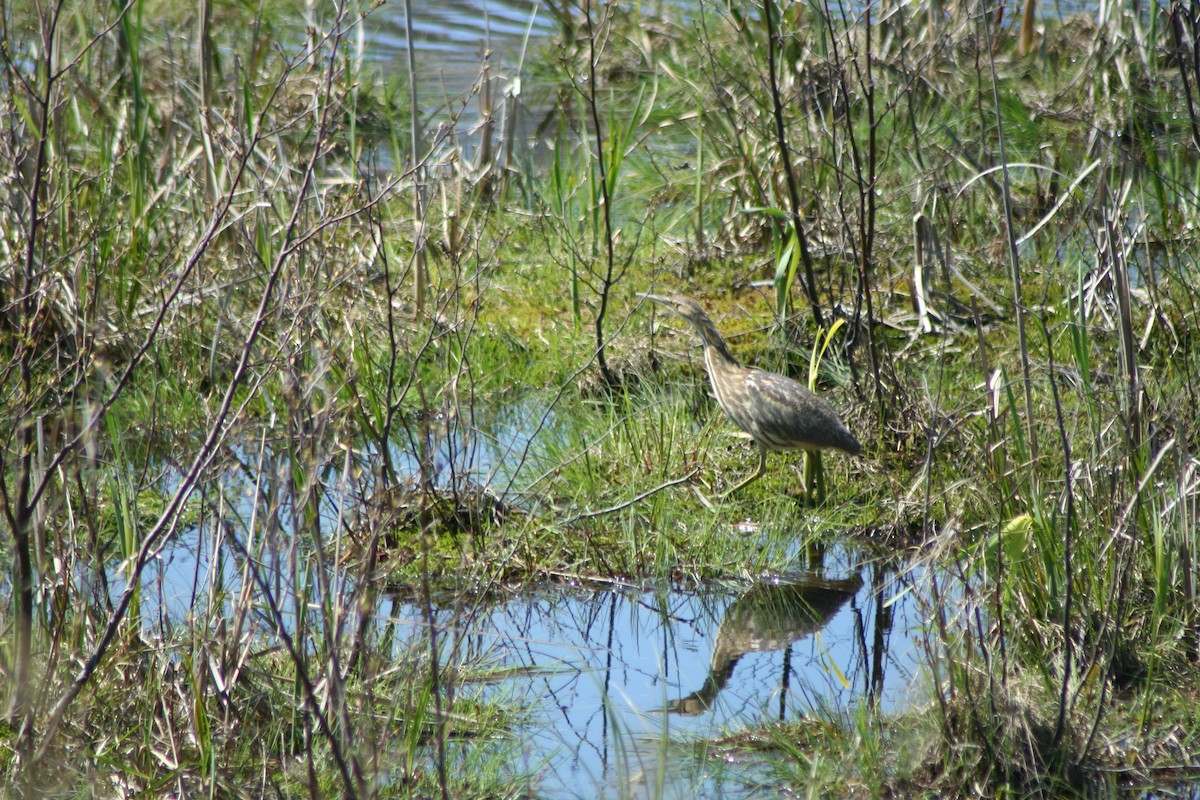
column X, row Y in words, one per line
column 222, row 292
column 617, row 655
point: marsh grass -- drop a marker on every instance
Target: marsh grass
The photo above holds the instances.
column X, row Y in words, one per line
column 226, row 340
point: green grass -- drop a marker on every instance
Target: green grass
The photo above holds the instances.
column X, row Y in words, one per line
column 210, row 334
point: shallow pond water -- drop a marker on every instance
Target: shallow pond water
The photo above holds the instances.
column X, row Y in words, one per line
column 620, row 682
column 452, row 41
column 617, row 682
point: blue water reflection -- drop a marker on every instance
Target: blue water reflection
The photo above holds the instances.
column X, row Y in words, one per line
column 604, row 671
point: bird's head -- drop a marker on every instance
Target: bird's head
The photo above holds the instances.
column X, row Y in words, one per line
column 693, row 312
column 685, row 307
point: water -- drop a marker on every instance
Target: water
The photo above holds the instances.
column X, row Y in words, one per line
column 472, row 63
column 469, row 57
column 618, row 682
column 621, row 680
column 452, row 40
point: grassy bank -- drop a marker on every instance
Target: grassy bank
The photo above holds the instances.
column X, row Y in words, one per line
column 251, row 312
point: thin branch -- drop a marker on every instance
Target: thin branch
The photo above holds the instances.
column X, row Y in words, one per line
column 631, row 501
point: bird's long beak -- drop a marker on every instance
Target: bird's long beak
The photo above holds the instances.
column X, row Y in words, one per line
column 658, row 298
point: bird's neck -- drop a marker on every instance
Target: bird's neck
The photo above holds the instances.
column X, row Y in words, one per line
column 715, row 349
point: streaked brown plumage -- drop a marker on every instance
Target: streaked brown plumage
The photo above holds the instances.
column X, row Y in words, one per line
column 778, row 412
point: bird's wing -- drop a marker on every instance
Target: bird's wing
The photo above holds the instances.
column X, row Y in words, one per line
column 780, row 390
column 787, row 414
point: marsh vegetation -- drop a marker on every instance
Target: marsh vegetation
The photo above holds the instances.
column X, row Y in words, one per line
column 368, row 365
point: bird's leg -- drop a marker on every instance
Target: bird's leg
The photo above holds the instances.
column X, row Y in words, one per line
column 820, row 470
column 762, row 467
column 813, row 477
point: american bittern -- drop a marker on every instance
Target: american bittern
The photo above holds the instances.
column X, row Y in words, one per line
column 778, row 412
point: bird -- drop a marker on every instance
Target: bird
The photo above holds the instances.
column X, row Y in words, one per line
column 768, row 616
column 777, row 412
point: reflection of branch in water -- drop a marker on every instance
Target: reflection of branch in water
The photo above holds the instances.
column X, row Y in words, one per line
column 767, row 617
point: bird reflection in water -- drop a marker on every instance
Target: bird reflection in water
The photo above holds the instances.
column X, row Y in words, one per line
column 769, row 616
